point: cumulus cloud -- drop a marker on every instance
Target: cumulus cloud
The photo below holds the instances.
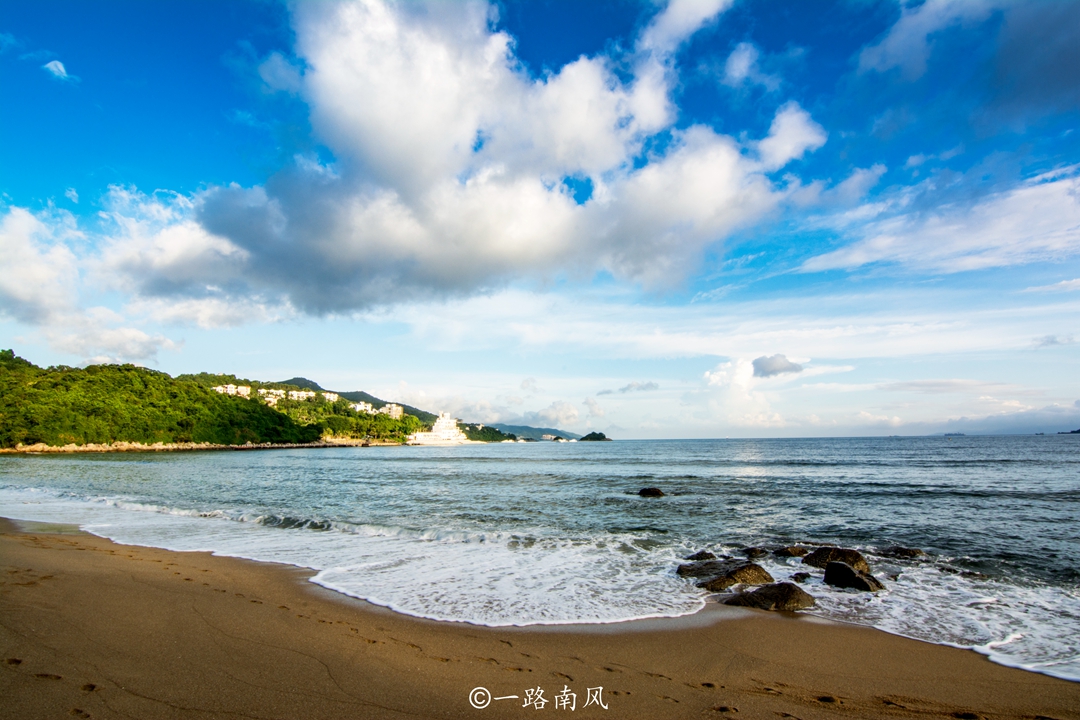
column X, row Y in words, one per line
column 72, row 195
column 556, row 414
column 792, row 134
column 735, row 398
column 58, row 71
column 775, row 365
column 1037, row 221
column 453, row 175
column 39, row 274
column 595, row 411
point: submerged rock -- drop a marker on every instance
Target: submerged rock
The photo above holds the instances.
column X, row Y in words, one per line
column 744, row 574
column 778, row 596
column 801, row 577
column 650, row 492
column 899, row 551
column 839, row 574
column 701, row 555
column 754, row 552
column 791, row 551
column 825, row 555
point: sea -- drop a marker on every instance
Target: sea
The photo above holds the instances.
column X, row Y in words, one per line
column 556, row 533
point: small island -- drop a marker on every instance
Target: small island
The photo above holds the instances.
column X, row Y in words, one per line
column 595, row 437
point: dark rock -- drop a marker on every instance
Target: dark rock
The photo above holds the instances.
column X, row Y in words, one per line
column 709, row 569
column 840, row 574
column 898, row 551
column 701, row 555
column 825, row 555
column 650, row 492
column 790, row 551
column 745, row 574
column 801, row 577
column 754, row 552
column 778, row 596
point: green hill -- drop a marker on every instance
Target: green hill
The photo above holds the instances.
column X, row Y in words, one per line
column 107, row 403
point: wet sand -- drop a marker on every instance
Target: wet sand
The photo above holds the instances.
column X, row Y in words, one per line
column 89, row 628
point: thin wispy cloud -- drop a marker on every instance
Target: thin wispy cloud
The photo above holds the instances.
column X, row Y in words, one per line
column 58, row 71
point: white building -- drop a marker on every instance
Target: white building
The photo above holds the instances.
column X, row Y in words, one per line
column 444, row 432
column 271, row 396
column 395, row 411
column 363, row 407
column 241, row 390
column 330, row 397
column 300, row 394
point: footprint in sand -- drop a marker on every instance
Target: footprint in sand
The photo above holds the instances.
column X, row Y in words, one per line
column 47, row 676
column 14, row 661
column 77, row 712
column 89, row 687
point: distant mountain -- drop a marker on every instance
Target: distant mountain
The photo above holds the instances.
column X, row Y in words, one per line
column 304, row 383
column 534, row 433
column 360, row 396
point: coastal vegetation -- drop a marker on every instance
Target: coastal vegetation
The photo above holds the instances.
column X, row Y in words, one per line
column 485, row 433
column 64, row 405
column 107, row 403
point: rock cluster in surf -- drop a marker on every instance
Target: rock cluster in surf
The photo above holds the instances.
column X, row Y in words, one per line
column 750, row 585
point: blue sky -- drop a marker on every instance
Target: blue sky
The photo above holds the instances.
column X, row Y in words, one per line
column 696, row 218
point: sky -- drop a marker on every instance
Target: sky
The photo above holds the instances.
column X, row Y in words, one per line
column 682, row 219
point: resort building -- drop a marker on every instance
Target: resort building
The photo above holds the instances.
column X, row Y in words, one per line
column 241, row 390
column 363, row 407
column 301, row 394
column 445, row 432
column 395, row 411
column 330, row 397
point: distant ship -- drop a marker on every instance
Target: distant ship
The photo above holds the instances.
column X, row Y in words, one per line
column 444, row 432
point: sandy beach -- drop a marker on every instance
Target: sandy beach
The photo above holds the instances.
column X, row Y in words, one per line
column 89, row 628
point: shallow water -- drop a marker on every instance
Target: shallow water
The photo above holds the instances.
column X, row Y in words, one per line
column 556, row 533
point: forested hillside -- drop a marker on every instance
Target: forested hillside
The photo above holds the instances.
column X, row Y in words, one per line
column 107, row 403
column 110, row 403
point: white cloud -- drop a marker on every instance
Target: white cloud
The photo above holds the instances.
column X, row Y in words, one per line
column 1037, row 221
column 742, row 68
column 159, row 250
column 72, row 195
column 595, row 411
column 39, row 273
column 678, row 21
column 1063, row 286
column 449, row 176
column 866, row 418
column 558, row 413
column 792, row 133
column 58, row 71
column 907, row 43
column 735, row 398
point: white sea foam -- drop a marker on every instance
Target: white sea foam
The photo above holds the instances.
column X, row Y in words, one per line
column 500, row 578
column 494, row 579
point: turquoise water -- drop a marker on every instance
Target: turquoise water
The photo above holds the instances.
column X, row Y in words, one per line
column 556, row 533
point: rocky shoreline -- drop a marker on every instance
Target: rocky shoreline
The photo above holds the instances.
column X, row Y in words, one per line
column 123, row 447
column 743, row 582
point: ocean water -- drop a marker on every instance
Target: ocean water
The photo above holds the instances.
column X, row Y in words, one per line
column 516, row 534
